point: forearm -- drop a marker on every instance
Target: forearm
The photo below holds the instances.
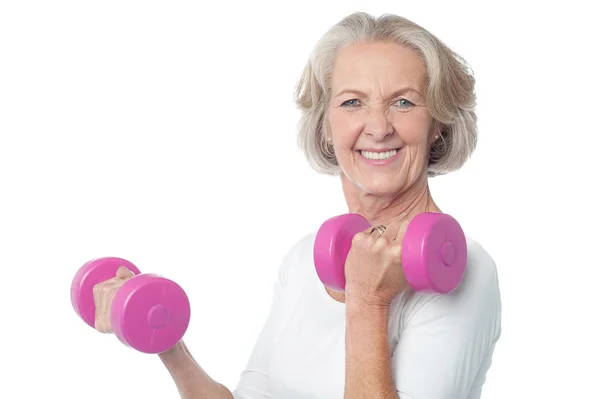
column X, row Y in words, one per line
column 191, row 381
column 368, row 359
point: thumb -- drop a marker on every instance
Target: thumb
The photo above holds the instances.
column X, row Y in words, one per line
column 404, row 226
column 402, row 229
column 125, row 273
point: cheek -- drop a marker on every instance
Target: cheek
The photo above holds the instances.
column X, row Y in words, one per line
column 344, row 126
column 414, row 132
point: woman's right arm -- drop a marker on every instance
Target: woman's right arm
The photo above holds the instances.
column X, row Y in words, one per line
column 191, row 380
column 194, row 383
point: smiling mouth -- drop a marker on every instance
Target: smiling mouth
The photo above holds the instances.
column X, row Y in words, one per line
column 379, row 155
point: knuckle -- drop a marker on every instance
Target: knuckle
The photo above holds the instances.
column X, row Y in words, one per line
column 103, row 326
column 358, row 238
column 381, row 243
column 395, row 250
column 97, row 288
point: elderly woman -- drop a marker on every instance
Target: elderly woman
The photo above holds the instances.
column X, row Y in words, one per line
column 385, row 105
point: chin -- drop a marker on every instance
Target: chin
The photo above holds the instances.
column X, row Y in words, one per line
column 380, row 187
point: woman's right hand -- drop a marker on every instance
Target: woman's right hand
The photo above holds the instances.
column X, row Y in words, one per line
column 104, row 293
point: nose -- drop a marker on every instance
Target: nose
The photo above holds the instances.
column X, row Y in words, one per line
column 378, row 124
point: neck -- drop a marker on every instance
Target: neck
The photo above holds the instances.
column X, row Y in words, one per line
column 379, row 210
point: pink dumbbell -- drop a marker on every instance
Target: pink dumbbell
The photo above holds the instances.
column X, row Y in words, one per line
column 149, row 313
column 434, row 251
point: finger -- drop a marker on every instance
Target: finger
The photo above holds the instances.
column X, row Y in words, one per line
column 124, row 273
column 360, row 239
column 375, row 231
column 375, row 237
column 101, row 299
column 392, row 230
column 395, row 250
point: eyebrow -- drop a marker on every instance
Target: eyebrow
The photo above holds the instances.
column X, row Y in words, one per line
column 360, row 93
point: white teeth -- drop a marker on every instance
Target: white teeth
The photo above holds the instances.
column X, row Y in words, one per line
column 378, row 155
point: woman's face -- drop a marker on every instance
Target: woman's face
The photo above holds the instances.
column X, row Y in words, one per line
column 379, row 127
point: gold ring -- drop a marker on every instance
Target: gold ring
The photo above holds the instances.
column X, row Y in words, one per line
column 380, row 229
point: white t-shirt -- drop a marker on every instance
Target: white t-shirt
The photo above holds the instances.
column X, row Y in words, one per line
column 441, row 345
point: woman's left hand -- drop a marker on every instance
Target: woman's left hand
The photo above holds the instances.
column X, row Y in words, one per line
column 373, row 268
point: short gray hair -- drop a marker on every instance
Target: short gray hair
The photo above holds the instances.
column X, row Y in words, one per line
column 449, row 95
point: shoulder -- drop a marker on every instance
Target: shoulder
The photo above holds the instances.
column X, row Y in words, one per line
column 481, row 275
column 480, row 281
column 451, row 336
column 297, row 257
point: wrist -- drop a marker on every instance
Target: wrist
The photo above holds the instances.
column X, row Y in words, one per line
column 173, row 355
column 368, row 305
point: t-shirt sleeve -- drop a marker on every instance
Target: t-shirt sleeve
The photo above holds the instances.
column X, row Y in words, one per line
column 254, row 380
column 446, row 342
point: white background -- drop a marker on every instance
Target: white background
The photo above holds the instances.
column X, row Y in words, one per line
column 164, row 132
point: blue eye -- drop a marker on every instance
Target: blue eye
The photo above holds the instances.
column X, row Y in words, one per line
column 350, row 103
column 404, row 103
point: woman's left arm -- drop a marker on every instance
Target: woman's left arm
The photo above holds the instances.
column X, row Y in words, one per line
column 368, row 361
column 445, row 344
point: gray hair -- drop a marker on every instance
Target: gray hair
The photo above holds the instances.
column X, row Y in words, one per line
column 449, row 94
